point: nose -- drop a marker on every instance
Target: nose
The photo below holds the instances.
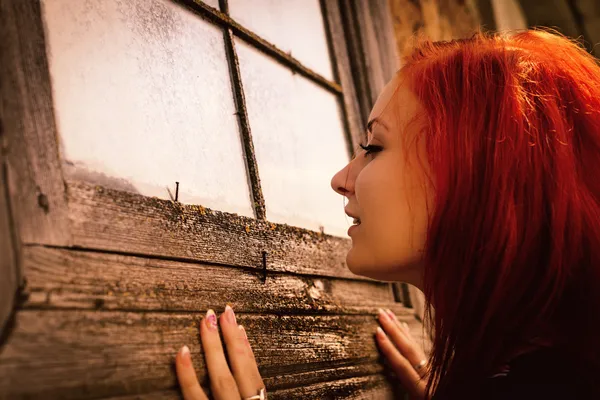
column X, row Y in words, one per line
column 342, row 183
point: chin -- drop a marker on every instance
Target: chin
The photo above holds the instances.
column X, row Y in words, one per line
column 365, row 268
column 398, row 271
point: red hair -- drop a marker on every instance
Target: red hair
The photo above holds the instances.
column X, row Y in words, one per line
column 513, row 248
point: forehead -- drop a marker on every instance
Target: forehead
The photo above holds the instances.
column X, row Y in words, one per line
column 396, row 104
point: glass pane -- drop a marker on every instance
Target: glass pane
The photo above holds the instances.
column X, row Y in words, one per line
column 143, row 99
column 212, row 3
column 294, row 26
column 299, row 141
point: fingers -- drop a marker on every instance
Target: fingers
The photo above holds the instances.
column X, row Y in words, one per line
column 187, row 376
column 401, row 352
column 240, row 354
column 223, row 385
column 400, row 337
column 409, row 378
column 401, row 324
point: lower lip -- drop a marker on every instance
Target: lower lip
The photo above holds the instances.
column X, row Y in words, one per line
column 352, row 228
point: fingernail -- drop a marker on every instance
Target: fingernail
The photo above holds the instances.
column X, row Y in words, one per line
column 390, row 313
column 186, row 358
column 229, row 314
column 383, row 314
column 405, row 325
column 241, row 328
column 380, row 333
column 211, row 320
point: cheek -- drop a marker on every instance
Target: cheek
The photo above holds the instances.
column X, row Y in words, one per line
column 395, row 221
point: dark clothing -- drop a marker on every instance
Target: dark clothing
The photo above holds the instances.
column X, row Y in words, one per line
column 546, row 374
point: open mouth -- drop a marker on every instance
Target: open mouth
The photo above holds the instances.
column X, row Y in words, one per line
column 356, row 221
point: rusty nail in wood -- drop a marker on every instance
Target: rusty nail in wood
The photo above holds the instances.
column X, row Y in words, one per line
column 264, row 262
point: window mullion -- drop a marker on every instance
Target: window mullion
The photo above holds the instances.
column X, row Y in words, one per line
column 257, row 198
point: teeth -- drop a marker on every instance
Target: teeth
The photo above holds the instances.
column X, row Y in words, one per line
column 356, row 221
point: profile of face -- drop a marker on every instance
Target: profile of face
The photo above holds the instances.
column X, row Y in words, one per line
column 388, row 193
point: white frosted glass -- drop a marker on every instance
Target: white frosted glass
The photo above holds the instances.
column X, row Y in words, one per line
column 299, row 142
column 294, row 26
column 143, row 99
column 212, row 3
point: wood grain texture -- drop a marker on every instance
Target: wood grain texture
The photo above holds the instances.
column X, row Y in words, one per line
column 417, row 299
column 356, row 57
column 9, row 279
column 116, row 221
column 59, row 278
column 35, row 176
column 377, row 37
column 363, row 387
column 340, row 56
column 91, row 354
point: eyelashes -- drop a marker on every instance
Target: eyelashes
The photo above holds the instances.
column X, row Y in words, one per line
column 369, row 149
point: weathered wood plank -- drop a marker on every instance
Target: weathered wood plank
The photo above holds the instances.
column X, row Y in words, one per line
column 356, row 57
column 9, row 280
column 118, row 221
column 35, row 176
column 339, row 52
column 377, row 34
column 363, row 387
column 91, row 354
column 61, row 278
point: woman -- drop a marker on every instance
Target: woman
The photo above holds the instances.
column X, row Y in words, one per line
column 478, row 184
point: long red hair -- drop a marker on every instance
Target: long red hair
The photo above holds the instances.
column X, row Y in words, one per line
column 513, row 249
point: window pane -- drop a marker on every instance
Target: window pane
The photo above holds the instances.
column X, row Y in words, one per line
column 212, row 3
column 299, row 140
column 291, row 25
column 143, row 99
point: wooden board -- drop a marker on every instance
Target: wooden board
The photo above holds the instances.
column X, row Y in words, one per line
column 362, row 387
column 9, row 280
column 59, row 278
column 339, row 53
column 107, row 325
column 117, row 221
column 36, row 185
column 90, row 354
column 377, row 37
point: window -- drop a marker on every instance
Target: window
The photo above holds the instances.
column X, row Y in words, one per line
column 143, row 99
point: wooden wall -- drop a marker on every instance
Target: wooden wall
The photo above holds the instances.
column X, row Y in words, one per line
column 9, row 279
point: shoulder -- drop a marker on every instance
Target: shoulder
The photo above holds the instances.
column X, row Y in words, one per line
column 544, row 374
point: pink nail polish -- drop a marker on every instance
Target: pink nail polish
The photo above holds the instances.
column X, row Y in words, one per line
column 383, row 314
column 211, row 320
column 390, row 313
column 241, row 328
column 230, row 315
column 186, row 358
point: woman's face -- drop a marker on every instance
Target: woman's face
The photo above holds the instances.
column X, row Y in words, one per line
column 387, row 191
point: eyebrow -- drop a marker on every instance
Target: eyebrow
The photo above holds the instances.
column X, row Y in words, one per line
column 374, row 121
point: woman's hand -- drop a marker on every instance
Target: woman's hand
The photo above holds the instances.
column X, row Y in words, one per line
column 402, row 352
column 241, row 381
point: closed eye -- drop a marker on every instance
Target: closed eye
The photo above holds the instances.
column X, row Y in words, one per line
column 371, row 149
